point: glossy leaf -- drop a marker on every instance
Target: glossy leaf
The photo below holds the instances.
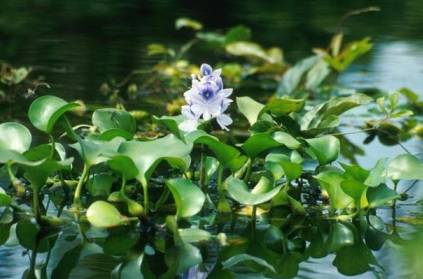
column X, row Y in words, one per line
column 97, row 151
column 263, row 192
column 188, row 197
column 293, row 76
column 283, row 106
column 45, row 111
column 406, row 167
column 181, row 257
column 108, row 119
column 326, row 114
column 228, row 155
column 194, row 235
column 325, row 149
column 377, row 175
column 188, row 23
column 244, row 259
column 5, row 200
column 15, row 137
column 146, row 155
column 341, row 235
column 250, row 108
column 330, row 180
column 379, row 196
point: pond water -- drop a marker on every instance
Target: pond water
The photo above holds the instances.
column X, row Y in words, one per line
column 77, row 45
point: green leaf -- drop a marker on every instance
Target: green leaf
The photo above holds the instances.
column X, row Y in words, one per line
column 292, row 78
column 172, row 123
column 100, row 184
column 330, row 180
column 290, row 169
column 94, row 151
column 39, row 174
column 237, row 33
column 354, row 189
column 325, row 149
column 108, row 119
column 406, row 167
column 258, row 143
column 326, row 114
column 15, row 157
column 123, row 165
column 283, row 106
column 15, row 137
column 377, row 175
column 211, row 165
column 263, row 192
column 119, row 243
column 5, row 200
column 188, row 197
column 349, row 54
column 287, row 140
column 249, row 108
column 341, row 235
column 244, row 259
column 194, row 235
column 28, row 233
column 379, row 196
column 181, row 257
column 103, row 215
column 317, row 75
column 146, row 155
column 227, row 155
column 46, row 110
column 94, row 266
column 188, row 23
column 354, row 259
column 253, row 50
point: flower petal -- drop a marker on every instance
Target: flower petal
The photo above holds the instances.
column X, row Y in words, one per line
column 226, row 92
column 188, row 125
column 224, row 120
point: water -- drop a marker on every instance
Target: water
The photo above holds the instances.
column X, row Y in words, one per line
column 77, row 45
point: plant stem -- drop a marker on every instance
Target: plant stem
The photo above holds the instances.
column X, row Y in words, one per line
column 146, row 197
column 36, row 203
column 53, row 146
column 254, row 220
column 203, row 171
column 77, row 196
column 394, row 210
column 15, row 182
column 248, row 172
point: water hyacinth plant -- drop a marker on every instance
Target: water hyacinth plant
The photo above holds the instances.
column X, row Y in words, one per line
column 99, row 201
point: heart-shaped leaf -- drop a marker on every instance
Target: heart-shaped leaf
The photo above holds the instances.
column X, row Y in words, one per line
column 96, row 151
column 341, row 235
column 330, row 180
column 228, row 155
column 188, row 197
column 46, row 110
column 249, row 108
column 379, row 196
column 15, row 137
column 103, row 215
column 109, row 119
column 172, row 123
column 290, row 169
column 146, row 155
column 262, row 192
column 406, row 167
column 325, row 149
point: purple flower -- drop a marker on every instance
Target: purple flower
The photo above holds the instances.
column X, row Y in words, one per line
column 206, row 99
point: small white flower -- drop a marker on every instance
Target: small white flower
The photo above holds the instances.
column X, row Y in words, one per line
column 206, row 99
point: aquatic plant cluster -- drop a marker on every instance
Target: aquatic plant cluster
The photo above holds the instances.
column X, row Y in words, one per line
column 101, row 200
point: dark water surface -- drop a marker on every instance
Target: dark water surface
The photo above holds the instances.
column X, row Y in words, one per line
column 79, row 44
